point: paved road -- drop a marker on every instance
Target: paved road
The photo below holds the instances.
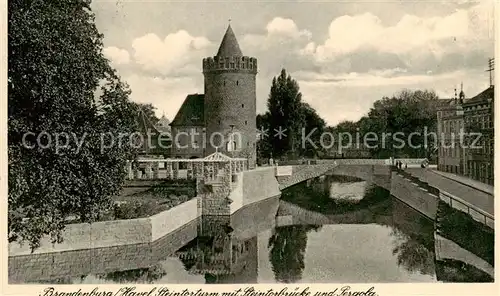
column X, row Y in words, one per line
column 476, row 197
column 467, row 181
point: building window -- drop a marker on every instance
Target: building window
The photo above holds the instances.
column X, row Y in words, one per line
column 246, row 122
column 224, row 82
column 237, row 82
column 232, row 145
column 242, row 105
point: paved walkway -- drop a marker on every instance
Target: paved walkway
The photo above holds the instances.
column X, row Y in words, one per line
column 467, row 181
column 476, row 197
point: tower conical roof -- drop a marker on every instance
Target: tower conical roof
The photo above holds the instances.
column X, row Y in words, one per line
column 229, row 46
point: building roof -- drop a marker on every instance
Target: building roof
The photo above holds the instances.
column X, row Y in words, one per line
column 145, row 124
column 482, row 97
column 191, row 112
column 163, row 124
column 229, row 46
column 445, row 104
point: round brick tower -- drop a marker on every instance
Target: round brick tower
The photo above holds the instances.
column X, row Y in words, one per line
column 230, row 101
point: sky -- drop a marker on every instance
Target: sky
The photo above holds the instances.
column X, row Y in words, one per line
column 345, row 55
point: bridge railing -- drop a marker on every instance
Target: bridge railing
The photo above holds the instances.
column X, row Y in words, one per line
column 464, row 206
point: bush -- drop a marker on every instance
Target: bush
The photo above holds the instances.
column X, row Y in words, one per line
column 146, row 208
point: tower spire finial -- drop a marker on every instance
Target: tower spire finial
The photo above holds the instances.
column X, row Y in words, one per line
column 229, row 46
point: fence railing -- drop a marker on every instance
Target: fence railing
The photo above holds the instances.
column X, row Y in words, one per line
column 464, row 206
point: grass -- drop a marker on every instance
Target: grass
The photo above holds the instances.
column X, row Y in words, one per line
column 467, row 233
column 149, row 202
column 458, row 272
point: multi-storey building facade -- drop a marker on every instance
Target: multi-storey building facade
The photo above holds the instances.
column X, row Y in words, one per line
column 466, row 136
column 228, row 107
column 450, row 123
column 479, row 124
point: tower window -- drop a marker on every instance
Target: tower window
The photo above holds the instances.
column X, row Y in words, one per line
column 237, row 82
column 219, row 122
column 224, row 82
column 246, row 122
column 242, row 105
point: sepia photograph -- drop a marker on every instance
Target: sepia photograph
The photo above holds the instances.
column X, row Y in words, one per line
column 249, row 142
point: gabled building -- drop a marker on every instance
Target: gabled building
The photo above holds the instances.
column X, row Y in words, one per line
column 188, row 128
column 163, row 124
column 155, row 140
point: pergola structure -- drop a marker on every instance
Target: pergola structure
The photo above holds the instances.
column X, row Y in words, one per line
column 212, row 168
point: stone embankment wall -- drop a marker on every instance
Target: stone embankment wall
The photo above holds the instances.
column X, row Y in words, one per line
column 115, row 233
column 417, row 194
column 253, row 186
column 46, row 266
column 170, row 220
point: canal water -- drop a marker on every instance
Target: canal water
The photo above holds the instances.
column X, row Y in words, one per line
column 328, row 230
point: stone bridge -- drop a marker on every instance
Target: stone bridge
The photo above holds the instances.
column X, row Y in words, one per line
column 288, row 176
column 377, row 171
column 291, row 214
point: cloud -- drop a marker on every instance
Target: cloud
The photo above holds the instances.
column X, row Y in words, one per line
column 279, row 31
column 350, row 96
column 165, row 93
column 285, row 27
column 116, row 55
column 171, row 55
column 412, row 37
column 362, row 59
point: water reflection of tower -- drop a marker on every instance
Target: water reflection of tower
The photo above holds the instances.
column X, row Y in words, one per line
column 220, row 256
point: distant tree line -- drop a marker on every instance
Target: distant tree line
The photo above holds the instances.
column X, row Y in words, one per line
column 406, row 113
column 411, row 114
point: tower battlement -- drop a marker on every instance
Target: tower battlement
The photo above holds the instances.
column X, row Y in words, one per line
column 233, row 63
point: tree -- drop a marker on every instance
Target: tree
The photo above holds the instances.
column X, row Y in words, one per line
column 287, row 251
column 405, row 113
column 297, row 119
column 284, row 105
column 61, row 84
column 264, row 145
column 149, row 112
column 315, row 126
